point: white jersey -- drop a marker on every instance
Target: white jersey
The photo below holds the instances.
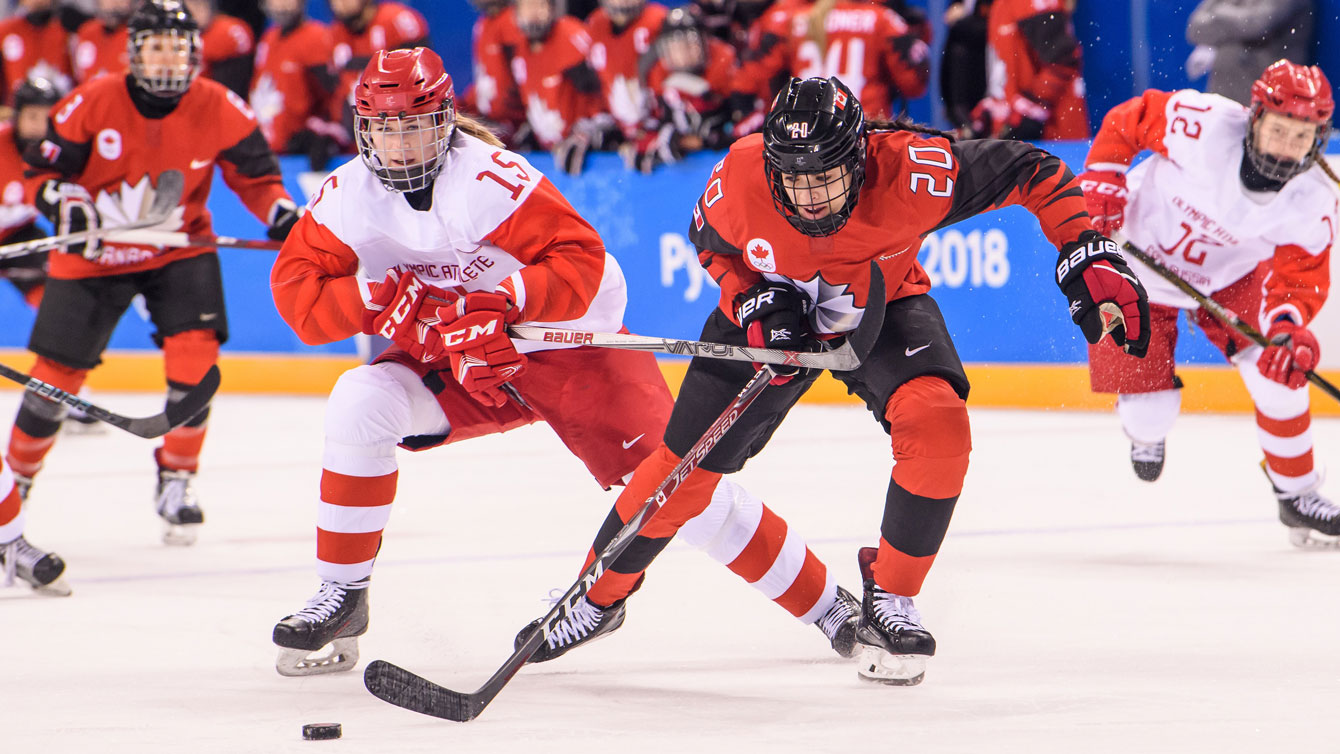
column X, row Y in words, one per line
column 477, row 235
column 1189, row 208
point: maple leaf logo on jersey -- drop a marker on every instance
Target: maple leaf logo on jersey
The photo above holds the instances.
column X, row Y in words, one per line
column 267, row 102
column 128, row 204
column 834, row 307
column 758, row 254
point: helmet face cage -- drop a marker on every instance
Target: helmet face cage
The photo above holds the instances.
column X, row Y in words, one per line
column 1280, row 169
column 682, row 50
column 406, row 152
column 814, row 146
column 164, row 62
column 1293, row 91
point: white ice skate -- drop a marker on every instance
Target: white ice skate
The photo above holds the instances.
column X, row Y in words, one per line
column 40, row 570
column 178, row 506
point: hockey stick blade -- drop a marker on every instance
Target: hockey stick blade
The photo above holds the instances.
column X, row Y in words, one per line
column 844, row 358
column 147, row 427
column 171, row 185
column 1220, row 312
column 402, row 688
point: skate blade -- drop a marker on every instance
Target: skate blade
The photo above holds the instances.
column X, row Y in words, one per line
column 57, row 588
column 343, row 655
column 180, row 535
column 879, row 666
column 1310, row 539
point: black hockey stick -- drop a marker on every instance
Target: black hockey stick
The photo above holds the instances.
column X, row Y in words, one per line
column 402, row 688
column 1220, row 312
column 150, row 427
column 167, row 195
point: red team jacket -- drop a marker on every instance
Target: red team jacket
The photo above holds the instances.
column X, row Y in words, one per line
column 553, row 103
column 98, row 50
column 27, row 48
column 868, row 47
column 620, row 59
column 913, row 185
column 98, row 139
column 224, row 39
column 1035, row 53
column 494, row 93
column 16, row 191
column 292, row 81
column 393, row 26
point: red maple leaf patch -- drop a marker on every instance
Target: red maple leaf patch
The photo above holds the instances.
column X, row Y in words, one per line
column 758, row 251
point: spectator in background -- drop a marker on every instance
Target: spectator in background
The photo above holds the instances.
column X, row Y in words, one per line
column 18, row 214
column 229, row 46
column 1036, row 86
column 963, row 66
column 100, row 43
column 559, row 88
column 690, row 82
column 293, row 84
column 494, row 94
column 623, row 33
column 364, row 27
column 1237, row 39
column 34, row 43
column 730, row 20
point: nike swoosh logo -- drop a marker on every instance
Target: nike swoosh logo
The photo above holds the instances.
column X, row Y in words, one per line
column 199, row 164
column 914, row 351
column 630, row 443
column 209, row 317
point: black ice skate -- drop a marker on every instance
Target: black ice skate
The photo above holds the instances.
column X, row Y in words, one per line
column 337, row 616
column 894, row 643
column 41, row 570
column 839, row 623
column 1147, row 459
column 178, row 506
column 583, row 624
column 1313, row 521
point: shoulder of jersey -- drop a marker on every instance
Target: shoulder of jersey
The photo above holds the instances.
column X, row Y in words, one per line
column 748, row 150
column 1224, row 122
column 221, row 100
column 352, row 179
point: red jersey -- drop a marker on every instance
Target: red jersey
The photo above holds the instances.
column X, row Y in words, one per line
column 869, row 47
column 293, row 81
column 16, row 193
column 33, row 49
column 99, row 51
column 225, row 38
column 620, row 59
column 553, row 100
column 913, row 185
column 99, row 140
column 494, row 93
column 1034, row 53
column 393, row 26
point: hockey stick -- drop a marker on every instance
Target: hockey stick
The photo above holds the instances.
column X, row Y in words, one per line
column 402, row 688
column 150, row 427
column 171, row 184
column 841, row 359
column 178, row 239
column 1220, row 312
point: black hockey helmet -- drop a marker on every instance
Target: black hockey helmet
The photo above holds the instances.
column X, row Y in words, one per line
column 168, row 19
column 681, row 45
column 36, row 90
column 815, row 127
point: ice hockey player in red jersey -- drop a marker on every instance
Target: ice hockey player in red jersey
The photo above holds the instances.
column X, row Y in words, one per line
column 293, row 83
column 622, row 35
column 100, row 43
column 20, row 560
column 788, row 226
column 228, row 46
column 1036, row 82
column 458, row 238
column 100, row 164
column 18, row 215
column 1235, row 201
column 362, row 28
column 494, row 93
column 35, row 44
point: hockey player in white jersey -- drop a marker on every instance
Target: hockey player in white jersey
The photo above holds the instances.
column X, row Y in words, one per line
column 1234, row 201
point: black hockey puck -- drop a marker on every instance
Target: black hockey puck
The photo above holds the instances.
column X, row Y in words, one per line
column 321, row 731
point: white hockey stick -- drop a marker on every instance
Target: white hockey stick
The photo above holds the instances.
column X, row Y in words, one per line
column 171, row 184
column 178, row 239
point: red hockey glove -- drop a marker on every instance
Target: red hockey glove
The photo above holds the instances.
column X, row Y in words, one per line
column 1104, row 295
column 396, row 309
column 1105, row 198
column 1292, row 353
column 774, row 316
column 473, row 336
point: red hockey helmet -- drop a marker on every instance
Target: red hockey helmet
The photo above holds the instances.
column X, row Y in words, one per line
column 404, row 117
column 1296, row 91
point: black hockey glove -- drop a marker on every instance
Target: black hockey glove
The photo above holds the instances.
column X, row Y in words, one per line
column 1103, row 294
column 69, row 209
column 775, row 316
column 283, row 216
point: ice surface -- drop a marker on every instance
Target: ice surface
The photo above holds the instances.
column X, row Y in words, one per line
column 1076, row 608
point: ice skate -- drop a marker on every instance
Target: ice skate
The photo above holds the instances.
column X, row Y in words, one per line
column 583, row 624
column 839, row 623
column 1313, row 521
column 178, row 506
column 336, row 616
column 894, row 644
column 1147, row 459
column 41, row 570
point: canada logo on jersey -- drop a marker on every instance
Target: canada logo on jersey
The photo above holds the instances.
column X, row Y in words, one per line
column 758, row 254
